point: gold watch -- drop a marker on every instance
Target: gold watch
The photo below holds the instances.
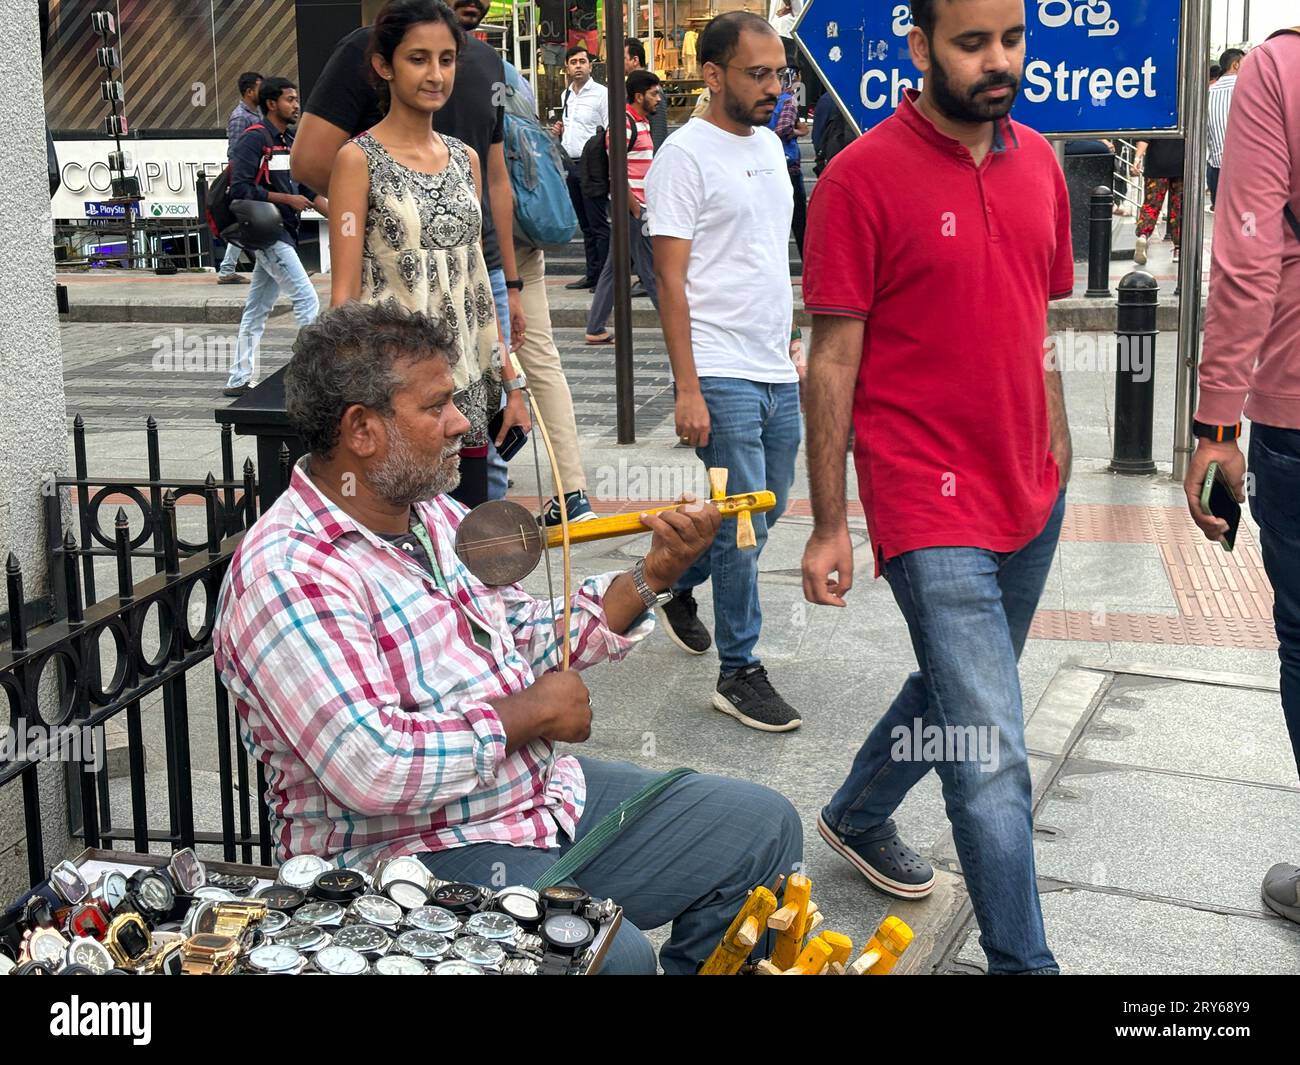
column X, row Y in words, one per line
column 128, row 939
column 206, row 954
column 235, row 918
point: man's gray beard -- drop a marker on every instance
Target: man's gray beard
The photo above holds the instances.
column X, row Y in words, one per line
column 401, row 481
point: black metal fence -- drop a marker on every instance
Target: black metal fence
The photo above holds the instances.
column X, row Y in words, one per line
column 101, row 657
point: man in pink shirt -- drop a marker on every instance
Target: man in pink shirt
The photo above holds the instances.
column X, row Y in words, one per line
column 1251, row 359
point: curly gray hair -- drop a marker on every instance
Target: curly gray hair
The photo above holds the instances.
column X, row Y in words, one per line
column 347, row 356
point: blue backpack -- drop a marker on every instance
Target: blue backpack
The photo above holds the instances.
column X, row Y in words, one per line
column 544, row 216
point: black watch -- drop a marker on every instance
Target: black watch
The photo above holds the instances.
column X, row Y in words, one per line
column 1220, row 434
column 517, row 284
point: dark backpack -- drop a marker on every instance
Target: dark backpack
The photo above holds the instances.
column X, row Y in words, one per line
column 593, row 166
column 219, row 216
column 835, row 138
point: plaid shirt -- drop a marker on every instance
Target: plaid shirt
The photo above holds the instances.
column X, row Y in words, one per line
column 360, row 687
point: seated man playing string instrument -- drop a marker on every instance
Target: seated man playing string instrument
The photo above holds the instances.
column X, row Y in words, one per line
column 400, row 706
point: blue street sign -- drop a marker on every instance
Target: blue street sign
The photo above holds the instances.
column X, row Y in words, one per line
column 1088, row 68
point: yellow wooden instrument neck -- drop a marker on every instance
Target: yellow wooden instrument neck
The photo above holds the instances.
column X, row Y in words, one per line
column 629, row 524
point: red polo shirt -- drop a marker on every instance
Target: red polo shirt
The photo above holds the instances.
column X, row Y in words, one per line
column 951, row 267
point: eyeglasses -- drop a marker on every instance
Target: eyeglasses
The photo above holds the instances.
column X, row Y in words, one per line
column 762, row 75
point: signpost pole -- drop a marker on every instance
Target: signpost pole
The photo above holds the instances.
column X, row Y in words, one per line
column 620, row 219
column 1195, row 111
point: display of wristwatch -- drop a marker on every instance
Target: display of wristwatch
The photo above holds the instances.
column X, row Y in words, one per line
column 212, row 893
column 152, row 894
column 111, row 888
column 514, row 384
column 566, row 933
column 239, row 886
column 207, row 954
column 77, row 970
column 34, row 968
column 276, row 959
column 376, row 910
column 520, row 967
column 340, row 961
column 301, row 871
column 649, row 597
column 456, row 967
column 67, row 881
column 426, row 946
column 7, row 965
column 338, row 885
column 367, row 939
column 433, row 919
column 1221, row 434
column 48, row 945
column 88, row 920
column 407, row 868
column 187, row 871
column 235, row 918
column 128, row 939
column 168, row 959
column 400, row 965
column 274, row 921
column 522, row 903
column 460, row 899
column 89, row 952
column 516, row 283
column 564, row 897
column 281, row 897
column 320, row 914
column 304, row 938
column 407, row 894
column 479, row 951
column 499, row 927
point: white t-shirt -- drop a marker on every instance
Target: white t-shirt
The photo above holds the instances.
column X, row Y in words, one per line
column 731, row 198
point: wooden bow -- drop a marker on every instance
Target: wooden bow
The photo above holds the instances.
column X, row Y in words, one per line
column 563, row 635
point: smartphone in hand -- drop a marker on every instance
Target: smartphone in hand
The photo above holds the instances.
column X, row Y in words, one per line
column 1218, row 501
column 514, row 440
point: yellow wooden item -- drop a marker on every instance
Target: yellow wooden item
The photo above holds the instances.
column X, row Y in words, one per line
column 891, row 939
column 730, row 954
column 789, row 941
column 737, row 506
column 813, row 959
column 717, row 482
column 745, row 537
column 841, row 944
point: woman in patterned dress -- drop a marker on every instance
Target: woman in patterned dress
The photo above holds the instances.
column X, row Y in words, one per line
column 408, row 225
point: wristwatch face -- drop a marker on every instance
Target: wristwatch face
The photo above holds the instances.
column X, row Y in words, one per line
column 427, row 946
column 458, row 897
column 281, row 897
column 88, row 920
column 319, row 913
column 112, row 889
column 302, row 870
column 479, row 951
column 406, row 894
column 132, row 939
column 338, row 884
column 274, row 921
column 34, row 968
column 205, row 941
column 400, row 965
column 567, row 930
column 187, row 870
column 156, row 893
column 302, row 937
column 492, row 926
column 404, row 868
column 363, row 938
column 455, row 967
column 564, row 897
column 340, row 961
column 91, row 954
column 7, row 965
column 212, row 893
column 433, row 919
column 69, row 882
column 47, row 945
column 520, row 903
column 274, row 958
column 375, row 909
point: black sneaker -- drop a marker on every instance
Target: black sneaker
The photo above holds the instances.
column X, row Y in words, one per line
column 888, row 864
column 576, row 504
column 681, row 615
column 749, row 697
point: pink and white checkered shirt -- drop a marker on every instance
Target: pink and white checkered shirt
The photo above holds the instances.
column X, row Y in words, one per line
column 360, row 687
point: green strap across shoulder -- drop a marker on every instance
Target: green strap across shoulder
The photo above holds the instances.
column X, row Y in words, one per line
column 610, row 826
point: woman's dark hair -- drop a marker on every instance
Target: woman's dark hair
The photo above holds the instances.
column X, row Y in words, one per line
column 394, row 21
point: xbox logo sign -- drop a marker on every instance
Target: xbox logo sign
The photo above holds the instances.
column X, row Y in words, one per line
column 156, row 210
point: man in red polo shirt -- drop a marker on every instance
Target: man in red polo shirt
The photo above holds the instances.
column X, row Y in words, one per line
column 934, row 244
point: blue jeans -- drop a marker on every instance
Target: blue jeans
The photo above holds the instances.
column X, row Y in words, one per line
column 230, row 260
column 498, row 471
column 277, row 267
column 688, row 860
column 1275, row 504
column 968, row 611
column 754, row 431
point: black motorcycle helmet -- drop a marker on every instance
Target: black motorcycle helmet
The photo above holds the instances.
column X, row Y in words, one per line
column 258, row 225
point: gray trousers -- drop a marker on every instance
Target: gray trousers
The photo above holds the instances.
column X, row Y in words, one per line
column 643, row 264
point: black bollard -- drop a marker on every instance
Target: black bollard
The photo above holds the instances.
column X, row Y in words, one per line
column 1135, row 362
column 1100, row 216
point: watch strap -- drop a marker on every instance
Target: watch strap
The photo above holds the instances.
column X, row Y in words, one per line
column 649, row 597
column 517, row 284
column 1220, row 434
column 515, row 383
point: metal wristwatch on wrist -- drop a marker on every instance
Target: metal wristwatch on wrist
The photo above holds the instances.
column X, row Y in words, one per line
column 514, row 384
column 649, row 598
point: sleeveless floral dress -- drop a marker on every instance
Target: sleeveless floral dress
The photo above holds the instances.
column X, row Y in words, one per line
column 423, row 252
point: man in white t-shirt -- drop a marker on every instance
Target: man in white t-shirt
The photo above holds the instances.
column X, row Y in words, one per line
column 721, row 205
column 584, row 106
